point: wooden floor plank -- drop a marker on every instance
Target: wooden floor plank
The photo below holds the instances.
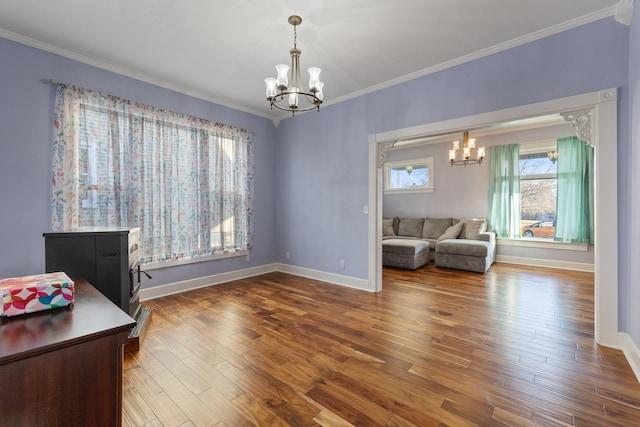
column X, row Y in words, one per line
column 436, row 347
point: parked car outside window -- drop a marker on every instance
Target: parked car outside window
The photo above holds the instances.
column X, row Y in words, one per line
column 545, row 229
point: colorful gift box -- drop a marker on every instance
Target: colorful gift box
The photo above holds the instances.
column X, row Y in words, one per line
column 28, row 294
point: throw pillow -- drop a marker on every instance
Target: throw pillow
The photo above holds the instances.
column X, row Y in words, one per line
column 387, row 227
column 452, row 232
column 411, row 227
column 472, row 227
column 434, row 227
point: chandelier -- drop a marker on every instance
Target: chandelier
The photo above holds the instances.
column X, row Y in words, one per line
column 463, row 156
column 288, row 93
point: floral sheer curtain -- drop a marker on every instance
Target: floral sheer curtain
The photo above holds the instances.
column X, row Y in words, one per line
column 576, row 180
column 504, row 190
column 186, row 182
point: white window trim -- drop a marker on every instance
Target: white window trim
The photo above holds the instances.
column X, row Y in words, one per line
column 533, row 242
column 175, row 262
column 427, row 161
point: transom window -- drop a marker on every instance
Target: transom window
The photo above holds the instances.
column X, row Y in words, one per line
column 409, row 176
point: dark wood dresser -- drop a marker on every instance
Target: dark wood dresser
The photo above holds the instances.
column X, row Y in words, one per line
column 63, row 367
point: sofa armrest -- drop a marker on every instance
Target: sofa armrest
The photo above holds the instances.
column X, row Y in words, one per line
column 488, row 236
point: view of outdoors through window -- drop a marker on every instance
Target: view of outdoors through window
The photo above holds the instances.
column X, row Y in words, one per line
column 538, row 193
column 408, row 177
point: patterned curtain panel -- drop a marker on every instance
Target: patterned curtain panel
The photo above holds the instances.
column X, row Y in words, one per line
column 186, row 182
column 504, row 190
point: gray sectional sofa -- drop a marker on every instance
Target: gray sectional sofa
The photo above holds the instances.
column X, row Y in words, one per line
column 463, row 244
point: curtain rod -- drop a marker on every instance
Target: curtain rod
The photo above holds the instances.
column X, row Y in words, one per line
column 55, row 82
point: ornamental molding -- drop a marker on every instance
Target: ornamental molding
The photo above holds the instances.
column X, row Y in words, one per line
column 383, row 152
column 581, row 122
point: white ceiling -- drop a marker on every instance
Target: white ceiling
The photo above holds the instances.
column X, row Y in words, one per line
column 221, row 51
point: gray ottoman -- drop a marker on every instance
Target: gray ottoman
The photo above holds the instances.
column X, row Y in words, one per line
column 405, row 253
column 464, row 254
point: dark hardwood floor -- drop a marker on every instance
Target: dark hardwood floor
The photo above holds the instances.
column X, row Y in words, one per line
column 436, row 347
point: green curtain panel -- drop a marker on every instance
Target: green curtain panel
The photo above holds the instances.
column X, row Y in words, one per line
column 504, row 190
column 576, row 180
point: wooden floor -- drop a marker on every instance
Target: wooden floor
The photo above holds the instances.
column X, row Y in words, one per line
column 436, row 347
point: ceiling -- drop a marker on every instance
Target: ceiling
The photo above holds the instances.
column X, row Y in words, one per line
column 221, row 51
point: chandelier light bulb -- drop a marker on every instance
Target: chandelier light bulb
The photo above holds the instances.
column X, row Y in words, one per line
column 283, row 82
column 271, row 87
column 314, row 78
column 293, row 98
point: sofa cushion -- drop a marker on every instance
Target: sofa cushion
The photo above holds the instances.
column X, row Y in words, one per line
column 452, row 232
column 435, row 227
column 411, row 227
column 471, row 228
column 404, row 246
column 476, row 248
column 387, row 227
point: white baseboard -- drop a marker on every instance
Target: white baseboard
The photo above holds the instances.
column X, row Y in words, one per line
column 336, row 279
column 548, row 263
column 216, row 279
column 632, row 354
column 201, row 282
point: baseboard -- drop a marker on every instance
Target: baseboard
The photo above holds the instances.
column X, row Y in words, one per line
column 201, row 282
column 548, row 263
column 216, row 279
column 336, row 279
column 632, row 354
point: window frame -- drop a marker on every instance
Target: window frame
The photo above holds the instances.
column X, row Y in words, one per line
column 426, row 162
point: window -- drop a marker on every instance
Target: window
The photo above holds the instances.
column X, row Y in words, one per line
column 186, row 182
column 526, row 181
column 538, row 189
column 409, row 176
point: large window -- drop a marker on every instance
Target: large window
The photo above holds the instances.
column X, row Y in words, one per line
column 186, row 182
column 538, row 189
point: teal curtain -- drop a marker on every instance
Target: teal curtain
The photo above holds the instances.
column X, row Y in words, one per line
column 576, row 179
column 504, row 190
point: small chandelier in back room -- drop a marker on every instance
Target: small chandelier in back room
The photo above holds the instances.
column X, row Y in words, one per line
column 464, row 156
column 287, row 93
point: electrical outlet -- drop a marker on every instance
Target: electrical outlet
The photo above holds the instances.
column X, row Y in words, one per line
column 287, row 255
column 366, row 210
column 341, row 263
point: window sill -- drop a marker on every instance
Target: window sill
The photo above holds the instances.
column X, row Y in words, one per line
column 174, row 263
column 409, row 190
column 532, row 242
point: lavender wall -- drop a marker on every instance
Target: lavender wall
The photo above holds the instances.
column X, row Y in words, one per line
column 26, row 105
column 630, row 294
column 322, row 157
